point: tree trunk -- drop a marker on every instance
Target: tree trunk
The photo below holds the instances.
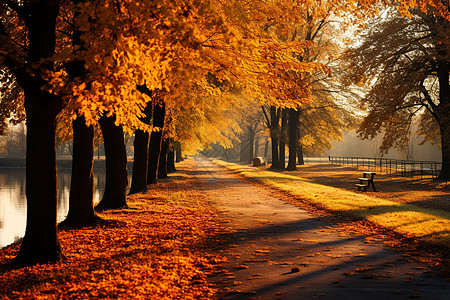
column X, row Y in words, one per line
column 274, row 133
column 177, row 149
column 40, row 243
column 443, row 117
column 139, row 176
column 444, row 125
column 162, row 166
column 243, row 152
column 140, row 163
column 81, row 200
column 300, row 155
column 293, row 139
column 154, row 148
column 282, row 143
column 171, row 160
column 114, row 196
column 266, row 148
column 251, row 141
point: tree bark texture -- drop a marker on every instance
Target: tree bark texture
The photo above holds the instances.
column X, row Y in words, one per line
column 445, row 142
column 300, row 160
column 243, row 152
column 162, row 166
column 293, row 139
column 257, row 139
column 81, row 200
column 140, row 163
column 171, row 160
column 443, row 118
column 177, row 149
column 154, row 148
column 282, row 141
column 274, row 134
column 114, row 196
column 251, row 141
column 40, row 242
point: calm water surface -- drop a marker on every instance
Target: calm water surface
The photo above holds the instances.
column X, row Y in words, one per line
column 13, row 205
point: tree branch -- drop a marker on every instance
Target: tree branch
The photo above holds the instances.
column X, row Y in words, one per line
column 266, row 117
column 430, row 106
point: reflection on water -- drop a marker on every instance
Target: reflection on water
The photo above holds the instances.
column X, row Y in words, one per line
column 13, row 200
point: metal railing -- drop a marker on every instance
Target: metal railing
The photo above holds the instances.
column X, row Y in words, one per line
column 391, row 166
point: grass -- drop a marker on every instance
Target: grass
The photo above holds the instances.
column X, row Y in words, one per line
column 430, row 225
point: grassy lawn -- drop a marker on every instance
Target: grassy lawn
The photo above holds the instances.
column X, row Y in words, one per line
column 430, row 225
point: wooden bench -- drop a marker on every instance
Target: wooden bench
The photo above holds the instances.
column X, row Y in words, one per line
column 366, row 181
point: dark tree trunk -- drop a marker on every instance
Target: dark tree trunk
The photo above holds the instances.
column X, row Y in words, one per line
column 177, row 149
column 282, row 142
column 154, row 148
column 139, row 177
column 162, row 166
column 300, row 160
column 251, row 141
column 81, row 200
column 243, row 152
column 266, row 148
column 274, row 134
column 171, row 160
column 293, row 139
column 140, row 163
column 445, row 142
column 40, row 243
column 114, row 196
column 443, row 118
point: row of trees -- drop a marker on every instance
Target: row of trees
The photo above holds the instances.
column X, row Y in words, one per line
column 168, row 70
column 399, row 70
column 97, row 61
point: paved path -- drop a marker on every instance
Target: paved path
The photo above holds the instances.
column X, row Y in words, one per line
column 272, row 238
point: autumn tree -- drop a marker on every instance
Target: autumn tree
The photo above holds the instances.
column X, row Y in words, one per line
column 154, row 151
column 28, row 38
column 141, row 141
column 275, row 132
column 405, row 63
column 162, row 164
column 81, row 199
column 171, row 157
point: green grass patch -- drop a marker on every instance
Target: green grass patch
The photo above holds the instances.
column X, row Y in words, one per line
column 432, row 226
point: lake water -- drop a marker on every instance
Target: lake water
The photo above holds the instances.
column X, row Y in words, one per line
column 13, row 205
